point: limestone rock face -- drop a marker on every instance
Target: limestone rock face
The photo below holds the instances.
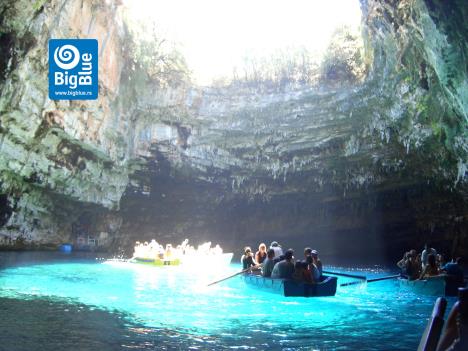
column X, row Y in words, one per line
column 59, row 150
column 380, row 163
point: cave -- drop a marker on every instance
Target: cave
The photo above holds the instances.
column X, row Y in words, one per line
column 373, row 148
column 360, row 153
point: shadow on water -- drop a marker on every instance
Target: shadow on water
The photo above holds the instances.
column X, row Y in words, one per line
column 53, row 324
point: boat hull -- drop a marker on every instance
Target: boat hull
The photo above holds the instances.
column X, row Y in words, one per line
column 189, row 260
column 290, row 288
column 157, row 262
column 434, row 286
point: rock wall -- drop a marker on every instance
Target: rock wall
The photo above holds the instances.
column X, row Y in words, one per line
column 58, row 155
column 379, row 165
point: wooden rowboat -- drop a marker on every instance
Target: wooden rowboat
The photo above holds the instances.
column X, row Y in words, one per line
column 286, row 287
column 440, row 285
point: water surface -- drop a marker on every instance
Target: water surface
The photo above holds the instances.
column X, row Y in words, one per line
column 83, row 304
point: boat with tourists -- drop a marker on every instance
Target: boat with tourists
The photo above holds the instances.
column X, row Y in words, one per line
column 440, row 285
column 291, row 288
column 155, row 254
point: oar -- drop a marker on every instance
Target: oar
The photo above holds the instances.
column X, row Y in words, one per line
column 231, row 276
column 373, row 280
column 346, row 275
column 384, row 278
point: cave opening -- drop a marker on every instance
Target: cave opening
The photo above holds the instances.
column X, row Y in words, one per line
column 275, row 44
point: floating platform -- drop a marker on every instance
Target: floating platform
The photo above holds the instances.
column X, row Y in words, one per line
column 289, row 288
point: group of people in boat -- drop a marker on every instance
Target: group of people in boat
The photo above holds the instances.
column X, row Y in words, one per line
column 154, row 250
column 429, row 263
column 275, row 263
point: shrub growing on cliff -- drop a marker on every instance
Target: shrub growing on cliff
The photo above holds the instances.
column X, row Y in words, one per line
column 151, row 57
column 344, row 59
column 342, row 62
column 285, row 68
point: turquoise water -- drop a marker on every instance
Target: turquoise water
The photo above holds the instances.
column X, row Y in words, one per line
column 173, row 308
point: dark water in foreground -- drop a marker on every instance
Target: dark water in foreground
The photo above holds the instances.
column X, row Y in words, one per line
column 78, row 303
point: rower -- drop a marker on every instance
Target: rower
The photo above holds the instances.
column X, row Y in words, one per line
column 247, row 258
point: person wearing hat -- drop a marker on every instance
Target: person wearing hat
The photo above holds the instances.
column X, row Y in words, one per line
column 277, row 248
column 284, row 269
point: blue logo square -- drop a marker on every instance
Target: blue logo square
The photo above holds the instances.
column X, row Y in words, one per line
column 73, row 69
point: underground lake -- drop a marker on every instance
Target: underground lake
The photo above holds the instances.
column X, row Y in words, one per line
column 52, row 302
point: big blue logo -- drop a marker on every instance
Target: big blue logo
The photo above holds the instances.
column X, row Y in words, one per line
column 73, row 69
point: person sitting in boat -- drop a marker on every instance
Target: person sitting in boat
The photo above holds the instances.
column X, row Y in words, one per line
column 161, row 252
column 312, row 269
column 269, row 263
column 419, row 261
column 298, row 272
column 409, row 267
column 278, row 250
column 402, row 263
column 412, row 267
column 431, row 269
column 440, row 261
column 301, row 273
column 217, row 250
column 168, row 252
column 261, row 254
column 455, row 270
column 183, row 246
column 307, row 252
column 278, row 259
column 284, row 269
column 153, row 248
column 247, row 258
column 317, row 261
column 425, row 254
column 145, row 250
column 306, row 273
column 137, row 250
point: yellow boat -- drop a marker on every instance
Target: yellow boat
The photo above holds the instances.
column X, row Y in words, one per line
column 157, row 261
